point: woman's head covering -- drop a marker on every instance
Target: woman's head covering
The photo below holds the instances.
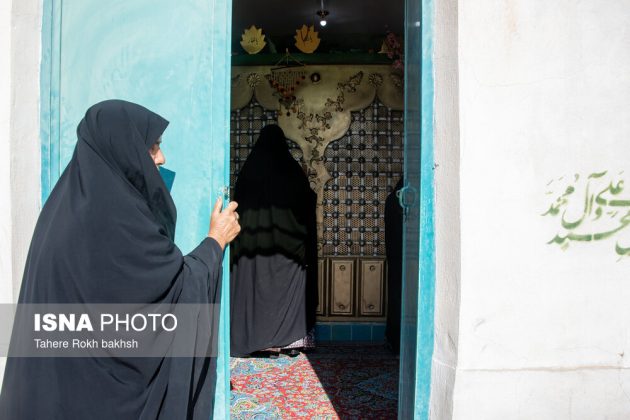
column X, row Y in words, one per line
column 270, row 175
column 107, row 227
column 275, row 201
column 272, row 138
column 121, row 133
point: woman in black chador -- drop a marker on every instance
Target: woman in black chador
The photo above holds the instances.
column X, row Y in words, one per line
column 105, row 235
column 274, row 270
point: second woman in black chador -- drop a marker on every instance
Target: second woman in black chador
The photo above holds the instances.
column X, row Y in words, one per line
column 274, row 270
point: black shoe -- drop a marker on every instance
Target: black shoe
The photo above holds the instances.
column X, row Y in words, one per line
column 294, row 353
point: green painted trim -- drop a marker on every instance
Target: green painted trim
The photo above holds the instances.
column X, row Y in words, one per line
column 341, row 58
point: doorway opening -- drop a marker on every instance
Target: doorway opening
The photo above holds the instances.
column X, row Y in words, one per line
column 337, row 91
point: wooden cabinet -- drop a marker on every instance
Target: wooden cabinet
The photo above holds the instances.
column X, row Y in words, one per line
column 351, row 288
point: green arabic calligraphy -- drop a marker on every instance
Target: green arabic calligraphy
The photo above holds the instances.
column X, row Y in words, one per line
column 604, row 211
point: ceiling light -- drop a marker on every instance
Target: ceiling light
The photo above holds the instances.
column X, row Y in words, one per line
column 322, row 14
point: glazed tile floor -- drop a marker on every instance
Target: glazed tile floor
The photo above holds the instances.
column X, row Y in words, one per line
column 334, row 382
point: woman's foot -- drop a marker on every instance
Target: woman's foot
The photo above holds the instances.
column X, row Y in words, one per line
column 293, row 353
column 273, row 352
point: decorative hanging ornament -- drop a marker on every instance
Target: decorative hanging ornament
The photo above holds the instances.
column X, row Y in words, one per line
column 286, row 81
column 252, row 40
column 306, row 39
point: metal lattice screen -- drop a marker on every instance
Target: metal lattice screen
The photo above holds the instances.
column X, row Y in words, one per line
column 365, row 165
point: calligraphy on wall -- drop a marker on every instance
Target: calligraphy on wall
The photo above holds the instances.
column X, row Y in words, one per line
column 320, row 106
column 590, row 208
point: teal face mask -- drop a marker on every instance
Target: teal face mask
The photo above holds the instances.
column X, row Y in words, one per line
column 168, row 176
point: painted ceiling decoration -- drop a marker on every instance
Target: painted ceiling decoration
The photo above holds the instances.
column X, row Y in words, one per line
column 252, row 40
column 306, row 39
column 319, row 112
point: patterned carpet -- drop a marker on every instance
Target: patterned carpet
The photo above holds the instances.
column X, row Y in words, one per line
column 334, row 382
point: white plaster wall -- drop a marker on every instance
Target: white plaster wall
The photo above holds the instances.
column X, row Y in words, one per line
column 20, row 50
column 25, row 153
column 20, row 46
column 544, row 93
column 6, row 288
column 447, row 210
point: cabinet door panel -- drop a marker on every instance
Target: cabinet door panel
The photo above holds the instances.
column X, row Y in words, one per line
column 342, row 287
column 371, row 290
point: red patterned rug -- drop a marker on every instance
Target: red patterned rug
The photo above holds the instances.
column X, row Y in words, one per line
column 334, row 382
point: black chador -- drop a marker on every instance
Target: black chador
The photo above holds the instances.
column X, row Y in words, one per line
column 274, row 270
column 105, row 235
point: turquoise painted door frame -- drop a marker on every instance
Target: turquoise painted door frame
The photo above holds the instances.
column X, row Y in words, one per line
column 417, row 326
column 174, row 57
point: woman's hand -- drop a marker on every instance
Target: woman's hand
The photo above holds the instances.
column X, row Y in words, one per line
column 224, row 224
